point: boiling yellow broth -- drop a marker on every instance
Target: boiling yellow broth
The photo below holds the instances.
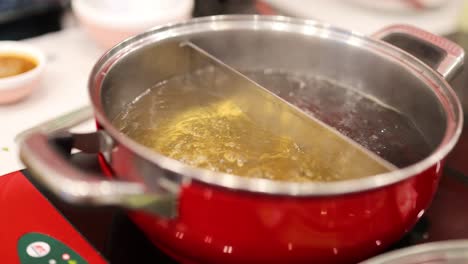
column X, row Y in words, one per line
column 185, row 123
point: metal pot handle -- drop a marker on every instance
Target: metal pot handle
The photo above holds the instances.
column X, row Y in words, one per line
column 439, row 53
column 42, row 149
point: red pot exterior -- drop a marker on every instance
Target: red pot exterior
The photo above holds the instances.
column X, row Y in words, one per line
column 217, row 225
column 220, row 225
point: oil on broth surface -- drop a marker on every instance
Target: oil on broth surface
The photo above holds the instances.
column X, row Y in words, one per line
column 182, row 120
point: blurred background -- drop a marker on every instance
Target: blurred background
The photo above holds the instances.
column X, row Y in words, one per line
column 100, row 24
column 21, row 19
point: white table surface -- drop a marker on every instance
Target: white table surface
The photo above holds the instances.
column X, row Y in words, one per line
column 70, row 58
column 71, row 55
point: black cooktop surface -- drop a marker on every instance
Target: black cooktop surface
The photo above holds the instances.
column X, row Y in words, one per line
column 111, row 232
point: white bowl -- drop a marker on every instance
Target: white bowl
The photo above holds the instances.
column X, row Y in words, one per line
column 17, row 87
column 111, row 21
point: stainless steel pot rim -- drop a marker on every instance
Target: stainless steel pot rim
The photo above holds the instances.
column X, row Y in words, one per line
column 445, row 94
column 423, row 253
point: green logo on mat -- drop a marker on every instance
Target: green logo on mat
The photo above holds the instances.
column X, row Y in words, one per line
column 36, row 248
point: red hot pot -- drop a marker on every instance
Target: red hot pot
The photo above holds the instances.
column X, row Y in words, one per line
column 200, row 216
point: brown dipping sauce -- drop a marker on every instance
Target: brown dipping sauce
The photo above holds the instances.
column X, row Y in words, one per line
column 12, row 64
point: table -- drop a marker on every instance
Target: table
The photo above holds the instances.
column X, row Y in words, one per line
column 71, row 55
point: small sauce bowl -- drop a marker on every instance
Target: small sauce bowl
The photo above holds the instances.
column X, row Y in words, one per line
column 21, row 66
